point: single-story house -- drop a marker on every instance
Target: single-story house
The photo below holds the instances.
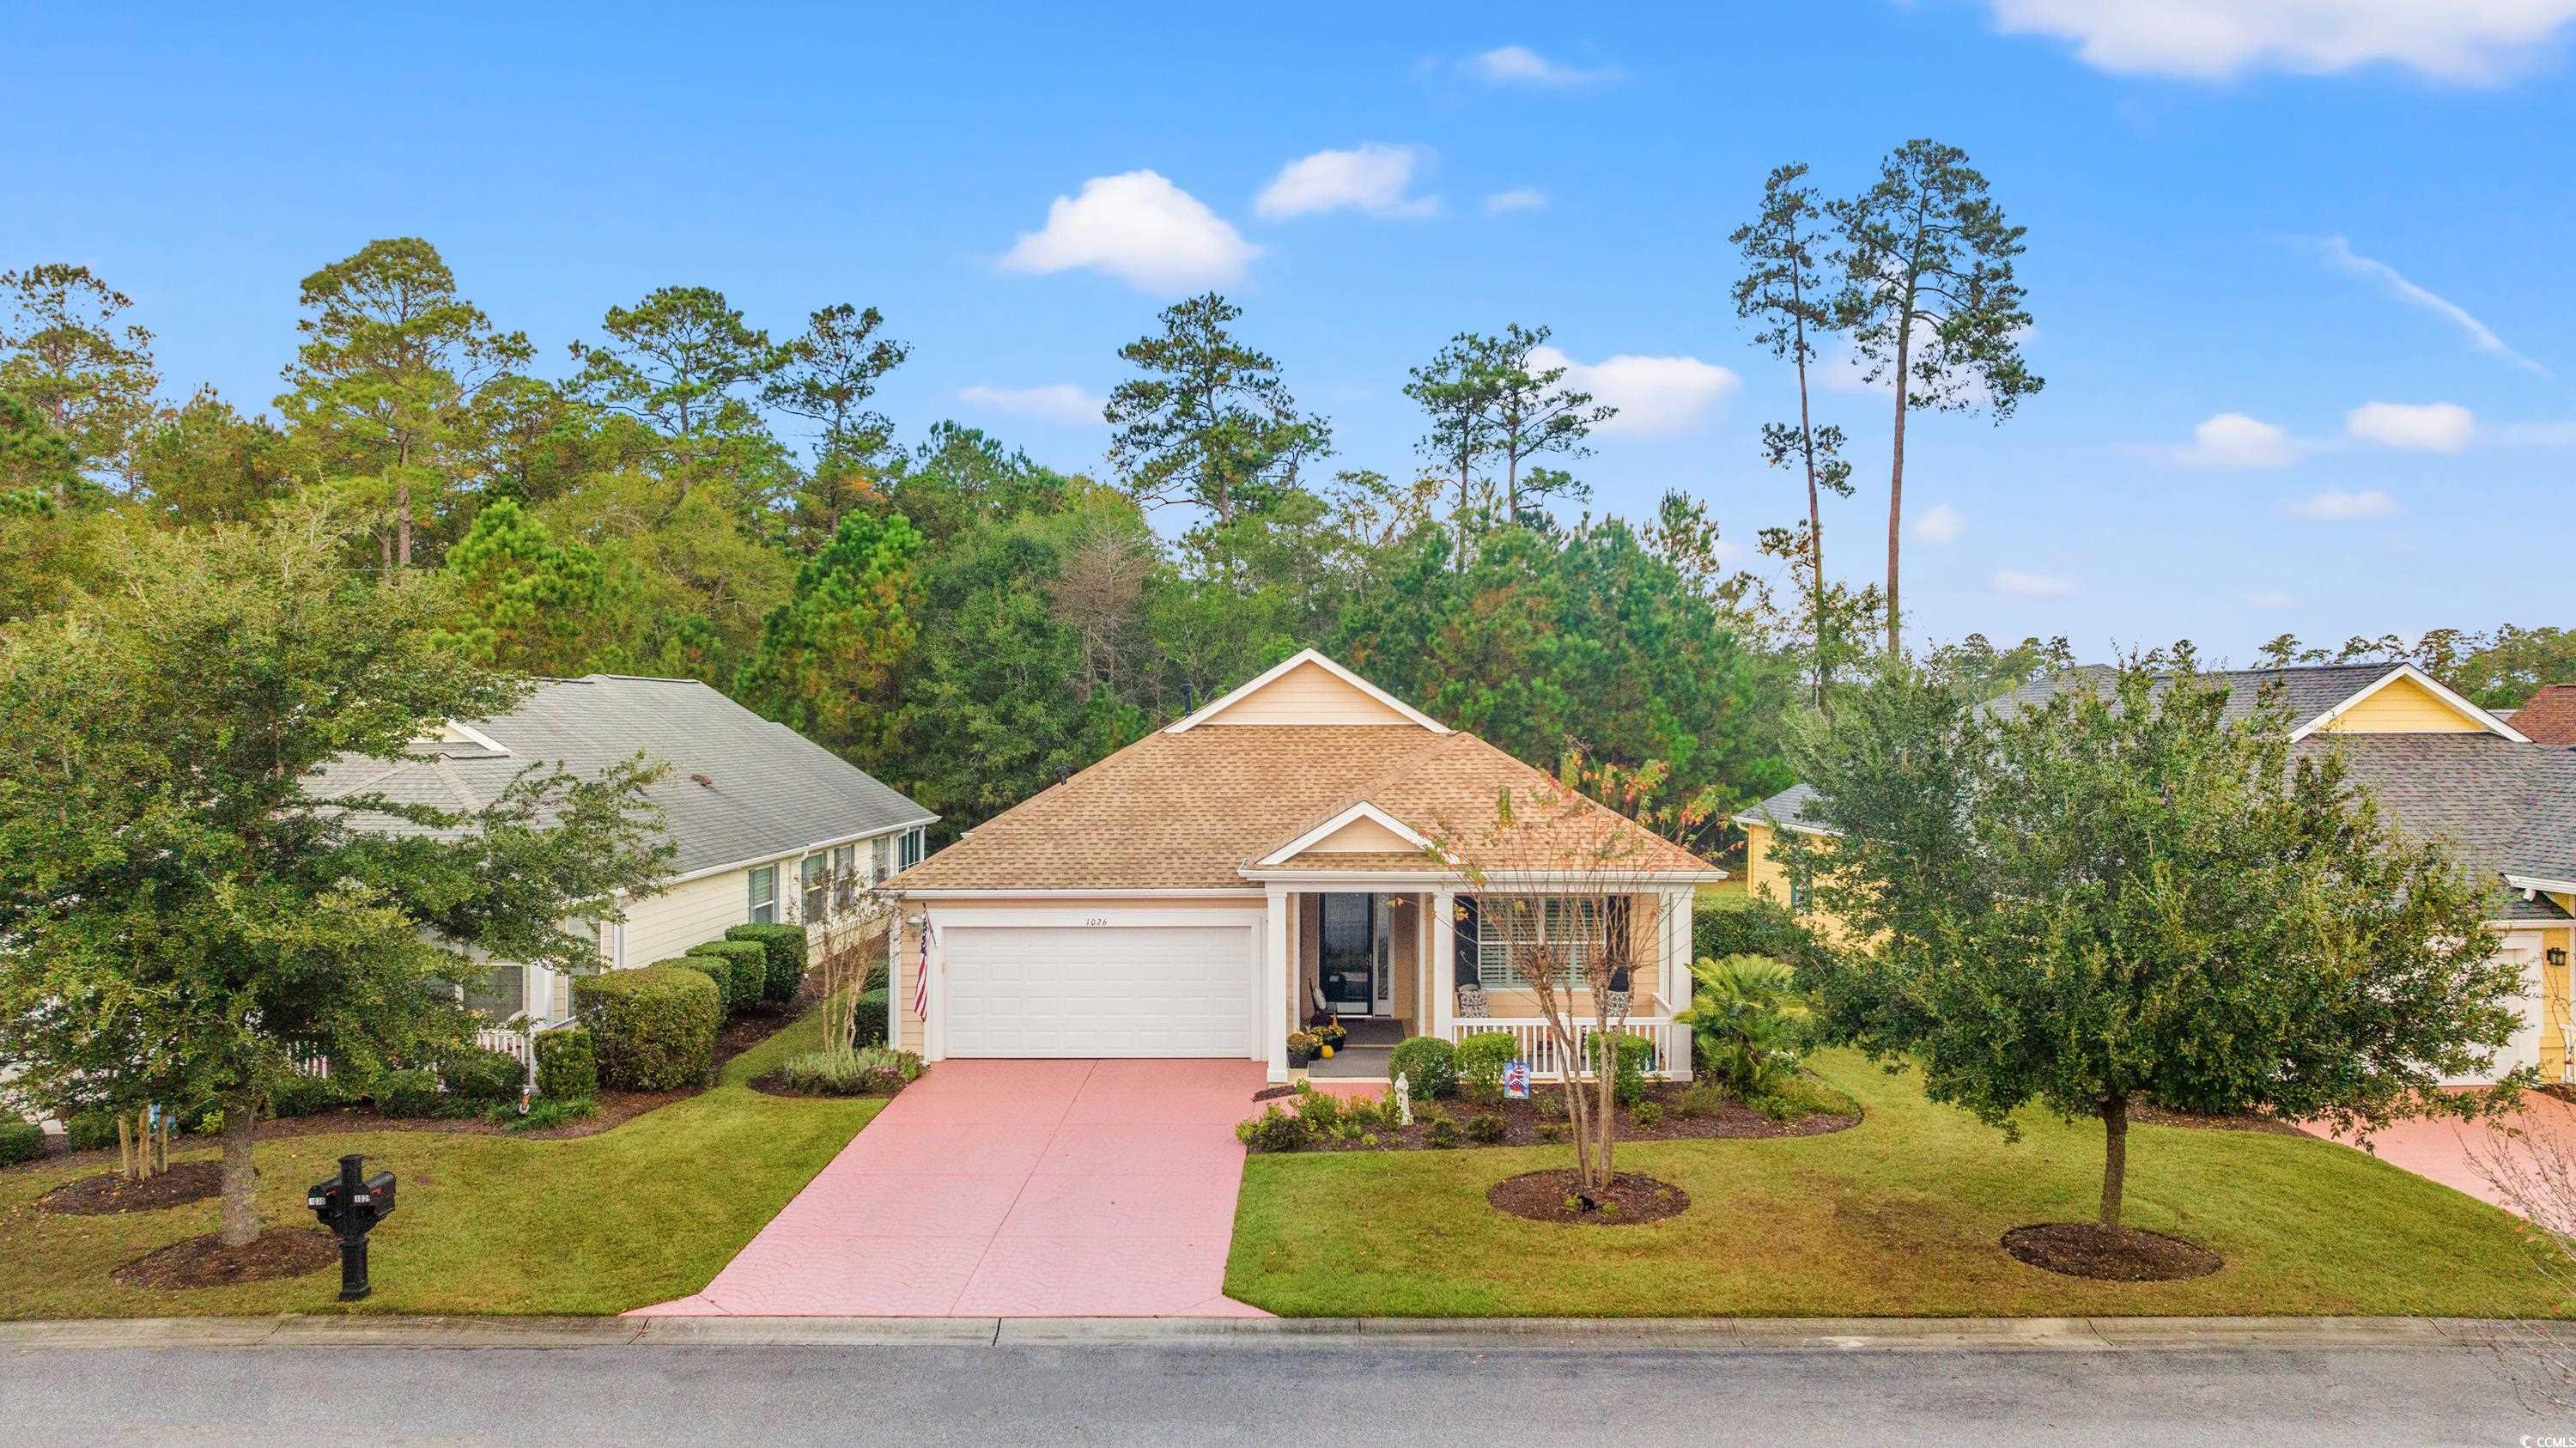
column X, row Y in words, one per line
column 1210, row 888
column 2441, row 768
column 767, row 825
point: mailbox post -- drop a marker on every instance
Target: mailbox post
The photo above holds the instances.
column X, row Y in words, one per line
column 350, row 1208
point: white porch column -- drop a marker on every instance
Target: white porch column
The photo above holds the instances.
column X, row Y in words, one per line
column 1444, row 961
column 1275, row 975
column 1678, row 907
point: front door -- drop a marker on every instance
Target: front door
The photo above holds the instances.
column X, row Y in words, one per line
column 1346, row 954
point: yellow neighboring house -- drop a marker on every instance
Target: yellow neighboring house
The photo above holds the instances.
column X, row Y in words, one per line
column 2443, row 769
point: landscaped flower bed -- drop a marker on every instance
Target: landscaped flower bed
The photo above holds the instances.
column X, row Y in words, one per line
column 1667, row 1111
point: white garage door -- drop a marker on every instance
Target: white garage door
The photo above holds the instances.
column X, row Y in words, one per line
column 1102, row 990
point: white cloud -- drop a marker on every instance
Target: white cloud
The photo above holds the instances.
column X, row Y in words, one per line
column 2336, row 506
column 1051, row 402
column 2032, row 585
column 1520, row 65
column 1519, row 198
column 2233, row 440
column 1370, row 177
column 2339, row 254
column 1939, row 523
column 1656, row 396
column 2466, row 41
column 2419, row 426
column 2270, row 598
column 1139, row 227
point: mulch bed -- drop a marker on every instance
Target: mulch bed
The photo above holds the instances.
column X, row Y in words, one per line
column 771, row 1085
column 206, row 1262
column 1540, row 1121
column 1542, row 1196
column 2154, row 1115
column 109, row 1194
column 2109, row 1254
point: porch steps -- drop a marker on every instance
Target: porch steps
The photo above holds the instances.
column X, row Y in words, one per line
column 1354, row 1063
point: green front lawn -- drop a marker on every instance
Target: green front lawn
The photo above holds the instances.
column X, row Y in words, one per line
column 1897, row 1216
column 643, row 1213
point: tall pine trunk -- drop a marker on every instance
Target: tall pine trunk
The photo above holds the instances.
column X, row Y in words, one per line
column 241, row 1179
column 2115, row 1157
column 1815, row 516
column 1896, row 479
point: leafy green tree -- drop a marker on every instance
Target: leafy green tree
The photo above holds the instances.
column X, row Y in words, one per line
column 1211, row 423
column 2128, row 895
column 962, row 478
column 65, row 352
column 829, row 655
column 1005, row 694
column 828, row 376
column 1978, row 669
column 55, row 539
column 524, row 603
column 694, row 583
column 682, row 360
column 1933, row 305
column 206, row 463
column 1536, row 416
column 182, row 921
column 1787, row 292
column 1456, row 391
column 382, row 385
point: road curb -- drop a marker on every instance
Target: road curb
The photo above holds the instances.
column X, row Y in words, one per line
column 1740, row 1335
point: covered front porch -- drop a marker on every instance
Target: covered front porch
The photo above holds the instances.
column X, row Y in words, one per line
column 1387, row 961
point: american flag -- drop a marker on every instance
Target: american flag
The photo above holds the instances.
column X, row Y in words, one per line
column 921, row 976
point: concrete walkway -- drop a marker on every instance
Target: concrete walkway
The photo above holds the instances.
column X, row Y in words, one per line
column 2449, row 1151
column 1014, row 1189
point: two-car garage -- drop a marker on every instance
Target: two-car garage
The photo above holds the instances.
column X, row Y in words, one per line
column 1038, row 984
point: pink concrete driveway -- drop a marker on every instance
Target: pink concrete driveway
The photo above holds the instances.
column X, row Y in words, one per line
column 1014, row 1189
column 2447, row 1151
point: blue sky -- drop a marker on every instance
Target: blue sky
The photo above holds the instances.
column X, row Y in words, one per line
column 2297, row 271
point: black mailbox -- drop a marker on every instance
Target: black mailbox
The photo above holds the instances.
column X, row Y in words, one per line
column 350, row 1208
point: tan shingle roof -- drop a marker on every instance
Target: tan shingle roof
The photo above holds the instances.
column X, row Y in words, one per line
column 1191, row 810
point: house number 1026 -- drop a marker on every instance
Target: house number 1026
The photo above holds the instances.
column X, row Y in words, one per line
column 1097, row 920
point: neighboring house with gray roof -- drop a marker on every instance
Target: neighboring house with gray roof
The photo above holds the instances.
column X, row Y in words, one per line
column 766, row 825
column 2442, row 769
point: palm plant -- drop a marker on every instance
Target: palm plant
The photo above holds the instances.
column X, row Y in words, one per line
column 1748, row 1021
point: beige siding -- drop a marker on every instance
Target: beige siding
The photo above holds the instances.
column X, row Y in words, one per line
column 2554, row 1005
column 1763, row 876
column 689, row 914
column 1307, row 694
column 2403, row 707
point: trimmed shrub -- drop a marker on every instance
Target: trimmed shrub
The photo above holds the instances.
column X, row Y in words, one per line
column 786, row 947
column 1628, row 1083
column 91, row 1131
column 481, row 1077
column 1646, row 1115
column 408, row 1095
column 746, row 970
column 302, row 1095
column 20, row 1141
column 1753, row 927
column 1428, row 1065
column 543, row 1115
column 861, row 1072
column 1481, row 1058
column 567, row 1065
column 1321, row 1111
column 873, row 1005
column 720, row 972
column 1485, row 1128
column 1441, row 1134
column 1272, row 1130
column 654, row 1028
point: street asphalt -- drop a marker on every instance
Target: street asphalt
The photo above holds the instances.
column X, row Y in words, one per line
column 1535, row 1389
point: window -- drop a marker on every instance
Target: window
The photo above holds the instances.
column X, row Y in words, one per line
column 845, row 878
column 813, row 879
column 880, row 852
column 764, row 895
column 1799, row 890
column 1502, row 920
column 499, row 993
column 912, row 841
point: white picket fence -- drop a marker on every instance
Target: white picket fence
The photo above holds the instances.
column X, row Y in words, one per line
column 1536, row 1043
column 519, row 1046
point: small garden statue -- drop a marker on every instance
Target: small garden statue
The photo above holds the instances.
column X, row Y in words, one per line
column 1403, row 1100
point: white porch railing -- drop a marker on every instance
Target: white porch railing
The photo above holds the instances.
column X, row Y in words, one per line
column 1537, row 1043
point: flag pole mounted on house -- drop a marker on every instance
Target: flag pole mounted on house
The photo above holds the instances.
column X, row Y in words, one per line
column 921, row 976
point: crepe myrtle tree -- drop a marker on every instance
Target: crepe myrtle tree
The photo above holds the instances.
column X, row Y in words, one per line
column 1557, row 876
column 2127, row 894
column 183, row 919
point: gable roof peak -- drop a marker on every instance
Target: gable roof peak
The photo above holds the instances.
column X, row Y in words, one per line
column 1305, row 658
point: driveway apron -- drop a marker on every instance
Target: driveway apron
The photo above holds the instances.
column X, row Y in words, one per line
column 1014, row 1189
